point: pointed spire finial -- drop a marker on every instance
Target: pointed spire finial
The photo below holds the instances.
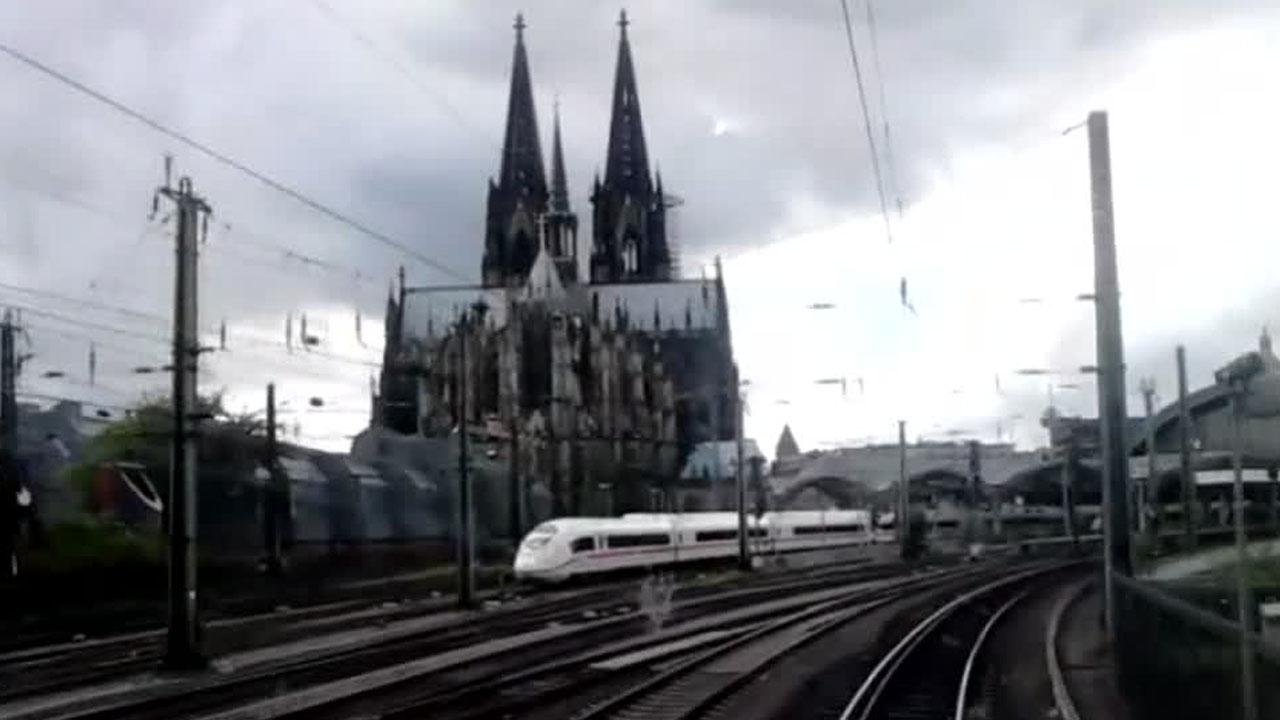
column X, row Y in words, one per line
column 522, row 171
column 623, row 22
column 559, row 179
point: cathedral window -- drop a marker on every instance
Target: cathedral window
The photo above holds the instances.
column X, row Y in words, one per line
column 630, row 256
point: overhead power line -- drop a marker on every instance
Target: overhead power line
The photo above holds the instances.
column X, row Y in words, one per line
column 229, row 161
column 83, row 302
column 297, row 263
column 90, row 325
column 286, row 254
column 866, row 119
column 382, row 54
column 82, row 401
column 94, row 341
column 884, row 109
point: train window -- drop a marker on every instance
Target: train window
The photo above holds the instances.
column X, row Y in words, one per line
column 714, row 535
column 619, row 541
column 822, row 530
column 583, row 544
column 758, row 532
column 845, row 528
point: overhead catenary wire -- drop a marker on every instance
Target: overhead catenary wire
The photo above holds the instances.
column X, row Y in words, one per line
column 227, row 160
column 866, row 119
column 62, row 398
column 890, row 163
column 293, row 258
column 137, row 334
column 97, row 387
column 95, row 342
column 57, row 317
column 297, row 264
column 83, row 302
column 375, row 49
column 280, row 358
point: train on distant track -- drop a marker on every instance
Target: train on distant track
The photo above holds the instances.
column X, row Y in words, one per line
column 566, row 548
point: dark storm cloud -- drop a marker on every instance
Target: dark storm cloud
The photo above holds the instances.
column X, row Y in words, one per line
column 287, row 88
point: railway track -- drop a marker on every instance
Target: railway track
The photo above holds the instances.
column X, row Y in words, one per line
column 35, row 671
column 56, row 667
column 601, row 606
column 617, row 680
column 931, row 671
column 692, row 688
column 46, row 668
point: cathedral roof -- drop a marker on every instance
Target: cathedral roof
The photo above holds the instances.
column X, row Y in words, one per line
column 659, row 306
column 543, row 282
column 650, row 307
column 432, row 311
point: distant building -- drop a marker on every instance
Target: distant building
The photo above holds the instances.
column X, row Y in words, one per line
column 607, row 376
column 867, row 475
column 1084, row 434
column 786, row 447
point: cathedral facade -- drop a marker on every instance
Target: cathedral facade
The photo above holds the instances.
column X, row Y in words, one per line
column 593, row 369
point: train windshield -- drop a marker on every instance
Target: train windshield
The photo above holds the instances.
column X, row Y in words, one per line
column 540, row 536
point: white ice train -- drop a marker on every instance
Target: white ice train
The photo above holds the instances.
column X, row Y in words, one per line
column 563, row 548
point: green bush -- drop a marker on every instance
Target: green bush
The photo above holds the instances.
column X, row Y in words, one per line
column 82, row 545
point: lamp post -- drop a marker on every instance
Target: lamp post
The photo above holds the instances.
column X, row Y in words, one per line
column 744, row 552
column 1236, row 377
column 466, row 531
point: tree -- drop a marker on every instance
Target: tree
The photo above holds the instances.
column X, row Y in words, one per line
column 144, row 437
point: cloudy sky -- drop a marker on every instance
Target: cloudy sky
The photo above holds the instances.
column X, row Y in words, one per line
column 391, row 112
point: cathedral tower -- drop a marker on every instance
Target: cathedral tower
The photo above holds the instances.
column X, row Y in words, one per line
column 561, row 224
column 629, row 238
column 519, row 196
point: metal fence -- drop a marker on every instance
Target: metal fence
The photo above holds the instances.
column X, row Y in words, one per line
column 1179, row 656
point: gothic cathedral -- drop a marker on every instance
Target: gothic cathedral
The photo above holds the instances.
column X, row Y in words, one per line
column 596, row 372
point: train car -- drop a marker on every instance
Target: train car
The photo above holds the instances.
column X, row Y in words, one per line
column 560, row 549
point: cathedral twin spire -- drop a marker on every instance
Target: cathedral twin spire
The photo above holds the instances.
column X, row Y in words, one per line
column 525, row 217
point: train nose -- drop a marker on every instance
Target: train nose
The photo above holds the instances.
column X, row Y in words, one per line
column 525, row 562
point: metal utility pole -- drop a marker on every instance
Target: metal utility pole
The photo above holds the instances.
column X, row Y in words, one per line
column 466, row 578
column 904, row 491
column 183, row 639
column 1244, row 604
column 1069, row 493
column 466, row 533
column 1273, row 497
column 516, row 504
column 8, row 386
column 277, row 487
column 1184, row 454
column 9, row 481
column 716, row 470
column 1111, row 392
column 744, row 552
column 975, row 476
column 515, row 488
column 1149, row 492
